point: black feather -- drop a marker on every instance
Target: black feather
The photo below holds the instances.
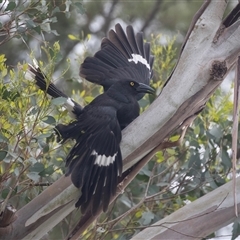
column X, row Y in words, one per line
column 121, row 56
column 45, row 85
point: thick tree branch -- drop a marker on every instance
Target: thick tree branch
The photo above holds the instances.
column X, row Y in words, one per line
column 193, row 219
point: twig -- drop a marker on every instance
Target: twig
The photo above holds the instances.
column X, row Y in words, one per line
column 235, row 131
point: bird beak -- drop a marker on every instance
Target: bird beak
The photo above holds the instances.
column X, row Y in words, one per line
column 143, row 88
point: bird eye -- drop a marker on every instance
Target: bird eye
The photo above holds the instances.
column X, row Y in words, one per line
column 132, row 84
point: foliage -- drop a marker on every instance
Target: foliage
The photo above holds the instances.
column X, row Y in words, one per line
column 24, row 18
column 26, row 136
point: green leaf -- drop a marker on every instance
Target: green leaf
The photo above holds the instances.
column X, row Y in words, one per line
column 10, row 6
column 170, row 151
column 147, row 218
column 33, row 111
column 210, row 180
column 174, row 138
column 37, row 167
column 9, row 95
column 47, row 172
column 30, row 23
column 37, row 29
column 88, row 99
column 3, row 138
column 226, row 160
column 33, row 176
column 4, row 72
column 194, row 165
column 49, row 120
column 145, row 171
column 160, row 157
column 5, row 193
column 3, row 154
column 72, row 37
column 55, row 10
column 32, row 160
column 45, row 148
column 58, row 101
column 43, row 136
column 216, row 132
column 197, row 129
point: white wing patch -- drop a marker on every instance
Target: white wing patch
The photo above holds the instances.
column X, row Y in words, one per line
column 69, row 105
column 103, row 160
column 138, row 58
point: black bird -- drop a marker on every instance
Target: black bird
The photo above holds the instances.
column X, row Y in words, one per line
column 95, row 161
column 123, row 67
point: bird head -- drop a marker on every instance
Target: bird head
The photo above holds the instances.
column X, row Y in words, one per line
column 135, row 88
column 126, row 89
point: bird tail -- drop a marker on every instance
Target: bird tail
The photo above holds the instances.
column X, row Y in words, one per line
column 98, row 182
column 45, row 85
column 95, row 163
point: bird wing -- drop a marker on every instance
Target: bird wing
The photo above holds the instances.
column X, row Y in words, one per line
column 95, row 161
column 121, row 56
column 51, row 89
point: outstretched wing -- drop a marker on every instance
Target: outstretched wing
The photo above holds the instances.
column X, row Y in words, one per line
column 45, row 85
column 121, row 56
column 95, row 161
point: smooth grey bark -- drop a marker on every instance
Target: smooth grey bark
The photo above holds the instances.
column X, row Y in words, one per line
column 198, row 219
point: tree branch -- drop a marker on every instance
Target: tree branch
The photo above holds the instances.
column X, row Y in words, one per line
column 193, row 219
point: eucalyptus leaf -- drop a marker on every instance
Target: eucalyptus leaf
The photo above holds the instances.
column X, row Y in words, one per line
column 49, row 120
column 37, row 167
column 11, row 6
column 5, row 193
column 147, row 218
column 58, row 101
column 3, row 154
column 33, row 176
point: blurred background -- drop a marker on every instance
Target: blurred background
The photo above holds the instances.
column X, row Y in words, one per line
column 79, row 26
